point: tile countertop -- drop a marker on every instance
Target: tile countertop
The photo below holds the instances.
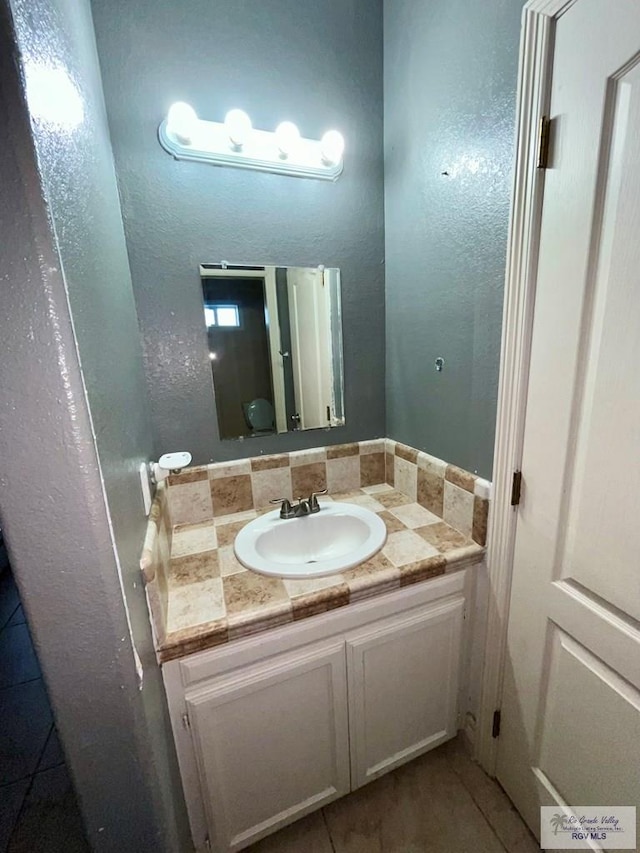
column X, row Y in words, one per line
column 209, row 598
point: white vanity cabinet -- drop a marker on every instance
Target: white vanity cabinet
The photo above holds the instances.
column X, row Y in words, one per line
column 403, row 687
column 274, row 726
column 272, row 742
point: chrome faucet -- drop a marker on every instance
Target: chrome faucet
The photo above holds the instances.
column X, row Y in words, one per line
column 302, row 508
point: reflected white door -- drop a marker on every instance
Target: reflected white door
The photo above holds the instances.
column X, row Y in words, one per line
column 571, row 705
column 310, row 346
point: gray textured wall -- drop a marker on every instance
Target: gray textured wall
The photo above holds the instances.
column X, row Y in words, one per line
column 449, row 89
column 71, row 551
column 318, row 64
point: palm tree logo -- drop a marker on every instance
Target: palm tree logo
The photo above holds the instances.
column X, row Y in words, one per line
column 557, row 821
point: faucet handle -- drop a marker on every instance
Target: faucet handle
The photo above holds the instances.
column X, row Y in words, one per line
column 314, row 506
column 286, row 510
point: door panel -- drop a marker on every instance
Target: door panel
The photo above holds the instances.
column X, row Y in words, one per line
column 574, row 634
column 582, row 697
column 271, row 743
column 602, row 522
column 403, row 687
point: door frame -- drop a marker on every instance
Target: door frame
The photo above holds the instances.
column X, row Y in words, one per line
column 532, row 103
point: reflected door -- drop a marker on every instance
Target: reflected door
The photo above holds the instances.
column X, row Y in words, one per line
column 310, row 346
column 571, row 706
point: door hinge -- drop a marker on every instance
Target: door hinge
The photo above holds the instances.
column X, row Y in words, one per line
column 495, row 728
column 207, row 843
column 516, row 488
column 544, row 135
column 186, row 722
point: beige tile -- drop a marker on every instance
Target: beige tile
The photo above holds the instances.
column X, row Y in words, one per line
column 482, row 488
column 407, row 547
column 320, row 601
column 193, row 568
column 235, row 517
column 406, row 452
column 227, row 533
column 414, row 515
column 229, row 563
column 406, row 478
column 392, row 498
column 231, row 494
column 190, row 503
column 194, row 539
column 244, row 624
column 379, row 487
column 480, row 520
column 306, row 479
column 458, row 508
column 264, row 463
column 392, row 523
column 189, row 475
column 375, row 445
column 343, row 474
column 372, row 468
column 422, row 570
column 270, row 484
column 229, row 469
column 194, row 604
column 304, row 586
column 422, row 807
column 372, row 577
column 435, row 466
column 205, row 635
column 250, row 593
column 345, row 496
column 471, row 553
column 491, row 800
column 366, row 501
column 460, row 477
column 308, row 835
column 431, row 491
column 442, row 537
column 389, row 446
column 339, row 451
column 307, row 457
column 389, row 468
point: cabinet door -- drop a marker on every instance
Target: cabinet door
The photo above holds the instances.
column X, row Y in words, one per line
column 403, row 687
column 271, row 742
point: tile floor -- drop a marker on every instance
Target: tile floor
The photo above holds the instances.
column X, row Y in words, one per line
column 441, row 803
column 38, row 809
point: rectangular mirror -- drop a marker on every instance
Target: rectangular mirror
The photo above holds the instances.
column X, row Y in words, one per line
column 275, row 344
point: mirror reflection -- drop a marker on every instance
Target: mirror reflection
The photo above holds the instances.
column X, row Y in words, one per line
column 275, row 345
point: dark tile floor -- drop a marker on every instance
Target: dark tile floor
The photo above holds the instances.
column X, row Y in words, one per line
column 38, row 808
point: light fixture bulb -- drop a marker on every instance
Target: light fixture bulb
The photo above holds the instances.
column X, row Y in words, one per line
column 238, row 125
column 332, row 147
column 182, row 120
column 287, row 137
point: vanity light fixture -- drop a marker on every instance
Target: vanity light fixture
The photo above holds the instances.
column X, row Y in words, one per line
column 182, row 122
column 235, row 142
column 239, row 127
column 287, row 138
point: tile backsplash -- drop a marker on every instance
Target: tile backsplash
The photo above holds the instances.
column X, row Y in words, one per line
column 226, row 488
column 198, row 512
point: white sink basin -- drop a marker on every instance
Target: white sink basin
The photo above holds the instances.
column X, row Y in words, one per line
column 338, row 537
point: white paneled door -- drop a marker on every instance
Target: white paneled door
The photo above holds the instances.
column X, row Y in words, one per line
column 571, row 705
